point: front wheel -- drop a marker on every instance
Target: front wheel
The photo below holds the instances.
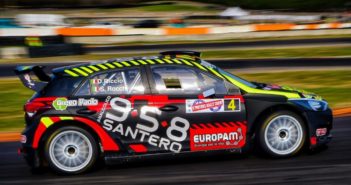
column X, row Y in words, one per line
column 71, row 150
column 283, row 134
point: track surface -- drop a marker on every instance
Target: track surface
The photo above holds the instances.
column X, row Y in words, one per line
column 330, row 166
column 7, row 69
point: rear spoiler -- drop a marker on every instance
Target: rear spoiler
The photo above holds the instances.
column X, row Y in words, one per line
column 181, row 54
column 23, row 72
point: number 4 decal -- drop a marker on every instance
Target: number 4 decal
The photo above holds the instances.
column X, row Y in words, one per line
column 232, row 104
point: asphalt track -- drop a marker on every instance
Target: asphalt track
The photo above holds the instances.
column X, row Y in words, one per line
column 7, row 69
column 328, row 166
column 221, row 45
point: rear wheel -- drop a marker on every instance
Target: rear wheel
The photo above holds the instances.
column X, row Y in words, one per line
column 283, row 134
column 71, row 150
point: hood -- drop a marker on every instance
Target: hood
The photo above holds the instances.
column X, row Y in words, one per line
column 283, row 88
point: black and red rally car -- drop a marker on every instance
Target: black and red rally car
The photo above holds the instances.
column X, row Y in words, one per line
column 174, row 103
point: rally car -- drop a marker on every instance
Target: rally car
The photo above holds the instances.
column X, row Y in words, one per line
column 165, row 105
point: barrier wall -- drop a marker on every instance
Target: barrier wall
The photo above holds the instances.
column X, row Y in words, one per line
column 81, row 31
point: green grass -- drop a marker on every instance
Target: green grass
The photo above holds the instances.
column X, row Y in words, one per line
column 325, row 51
column 334, row 86
column 12, row 98
column 281, row 52
column 240, row 39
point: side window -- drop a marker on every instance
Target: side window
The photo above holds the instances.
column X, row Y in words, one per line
column 210, row 82
column 184, row 80
column 117, row 82
column 176, row 80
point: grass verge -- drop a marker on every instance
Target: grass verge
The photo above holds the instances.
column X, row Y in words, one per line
column 334, row 86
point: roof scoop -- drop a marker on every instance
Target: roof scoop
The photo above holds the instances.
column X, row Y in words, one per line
column 180, row 54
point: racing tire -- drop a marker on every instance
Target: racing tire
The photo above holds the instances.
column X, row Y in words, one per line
column 282, row 134
column 71, row 150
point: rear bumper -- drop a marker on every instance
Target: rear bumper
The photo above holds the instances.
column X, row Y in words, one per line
column 31, row 156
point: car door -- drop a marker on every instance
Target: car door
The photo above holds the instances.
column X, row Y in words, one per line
column 123, row 96
column 199, row 111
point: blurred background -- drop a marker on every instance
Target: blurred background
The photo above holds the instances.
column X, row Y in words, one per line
column 305, row 44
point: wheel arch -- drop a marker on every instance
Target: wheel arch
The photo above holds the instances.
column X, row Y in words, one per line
column 101, row 136
column 279, row 107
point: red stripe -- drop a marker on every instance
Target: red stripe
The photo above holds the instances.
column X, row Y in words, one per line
column 107, row 142
column 37, row 135
column 138, row 148
column 55, row 119
column 236, row 96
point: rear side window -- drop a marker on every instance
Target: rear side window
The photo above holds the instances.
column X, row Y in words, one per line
column 61, row 86
column 113, row 83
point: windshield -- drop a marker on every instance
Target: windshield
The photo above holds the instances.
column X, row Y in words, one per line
column 247, row 83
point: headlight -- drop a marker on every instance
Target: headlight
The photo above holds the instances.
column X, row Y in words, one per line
column 311, row 104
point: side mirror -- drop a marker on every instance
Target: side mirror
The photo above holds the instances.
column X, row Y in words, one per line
column 209, row 93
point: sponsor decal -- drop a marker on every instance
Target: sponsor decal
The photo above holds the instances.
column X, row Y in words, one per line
column 28, row 80
column 212, row 105
column 217, row 136
column 148, row 125
column 103, row 109
column 321, row 131
column 62, row 103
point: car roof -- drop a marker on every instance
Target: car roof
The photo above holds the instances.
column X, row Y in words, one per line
column 88, row 69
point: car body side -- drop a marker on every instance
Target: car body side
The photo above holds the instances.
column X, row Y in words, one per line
column 256, row 105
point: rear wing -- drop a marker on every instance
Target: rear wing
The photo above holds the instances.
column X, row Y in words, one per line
column 24, row 74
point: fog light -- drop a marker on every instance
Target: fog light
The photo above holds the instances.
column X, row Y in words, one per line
column 321, row 131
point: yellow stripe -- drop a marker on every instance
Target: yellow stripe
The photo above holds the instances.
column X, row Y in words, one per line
column 215, row 72
column 199, row 66
column 177, row 61
column 126, row 63
column 160, row 61
column 80, row 72
column 110, row 65
column 186, row 62
column 150, row 61
column 118, row 64
column 142, row 62
column 66, row 118
column 94, row 68
column 86, row 69
column 46, row 121
column 102, row 66
column 168, row 61
column 134, row 62
column 71, row 73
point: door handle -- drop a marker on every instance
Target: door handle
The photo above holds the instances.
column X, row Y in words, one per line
column 169, row 108
column 86, row 111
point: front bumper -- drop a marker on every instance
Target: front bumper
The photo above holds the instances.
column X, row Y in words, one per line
column 319, row 120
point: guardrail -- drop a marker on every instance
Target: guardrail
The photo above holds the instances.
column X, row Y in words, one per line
column 83, row 31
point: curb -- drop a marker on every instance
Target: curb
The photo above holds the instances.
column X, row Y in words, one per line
column 15, row 136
